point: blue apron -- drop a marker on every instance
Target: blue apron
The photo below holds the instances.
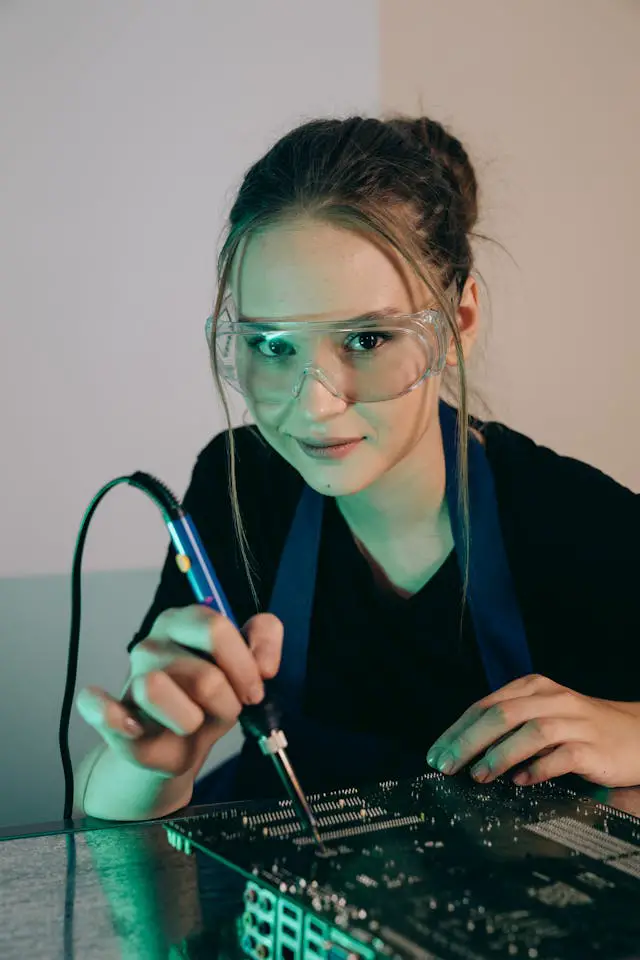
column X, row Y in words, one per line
column 322, row 754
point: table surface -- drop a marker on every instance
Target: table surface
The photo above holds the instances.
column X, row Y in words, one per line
column 102, row 890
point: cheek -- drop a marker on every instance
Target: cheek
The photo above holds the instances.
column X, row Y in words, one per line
column 400, row 423
column 267, row 418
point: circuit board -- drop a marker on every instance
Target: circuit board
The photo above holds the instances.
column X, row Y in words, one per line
column 435, row 868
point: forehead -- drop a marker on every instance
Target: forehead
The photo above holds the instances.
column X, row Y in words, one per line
column 308, row 269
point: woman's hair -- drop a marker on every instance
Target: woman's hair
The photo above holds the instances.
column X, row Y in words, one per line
column 406, row 180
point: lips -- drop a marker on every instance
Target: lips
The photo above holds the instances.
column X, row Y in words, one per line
column 320, row 444
column 329, row 449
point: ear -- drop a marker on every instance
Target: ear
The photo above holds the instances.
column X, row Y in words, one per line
column 468, row 317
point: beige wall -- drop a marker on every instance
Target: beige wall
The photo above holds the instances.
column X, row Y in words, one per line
column 545, row 95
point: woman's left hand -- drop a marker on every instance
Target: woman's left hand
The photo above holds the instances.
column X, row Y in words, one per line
column 554, row 728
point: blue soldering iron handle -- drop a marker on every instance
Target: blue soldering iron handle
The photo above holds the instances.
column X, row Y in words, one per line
column 192, row 560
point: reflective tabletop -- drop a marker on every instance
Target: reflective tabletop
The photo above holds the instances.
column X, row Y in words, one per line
column 104, row 890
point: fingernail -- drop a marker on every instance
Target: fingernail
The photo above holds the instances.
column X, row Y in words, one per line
column 479, row 773
column 445, row 763
column 132, row 728
column 520, row 778
column 256, row 693
column 432, row 758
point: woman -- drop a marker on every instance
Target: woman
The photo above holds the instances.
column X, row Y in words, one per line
column 448, row 588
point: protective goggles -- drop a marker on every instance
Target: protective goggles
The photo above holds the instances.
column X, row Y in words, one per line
column 362, row 361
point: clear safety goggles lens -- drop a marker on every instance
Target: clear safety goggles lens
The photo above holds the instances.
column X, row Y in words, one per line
column 363, row 362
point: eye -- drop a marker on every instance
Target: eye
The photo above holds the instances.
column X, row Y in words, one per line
column 367, row 341
column 271, row 347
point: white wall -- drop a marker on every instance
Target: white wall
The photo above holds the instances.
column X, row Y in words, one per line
column 126, row 128
column 546, row 95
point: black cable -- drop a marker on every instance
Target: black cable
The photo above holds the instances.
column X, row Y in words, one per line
column 170, row 506
column 74, row 643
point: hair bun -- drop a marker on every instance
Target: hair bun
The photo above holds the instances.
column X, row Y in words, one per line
column 447, row 152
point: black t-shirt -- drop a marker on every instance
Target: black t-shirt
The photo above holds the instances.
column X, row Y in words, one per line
column 402, row 667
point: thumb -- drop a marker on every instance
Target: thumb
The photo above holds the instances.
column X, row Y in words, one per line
column 110, row 717
column 264, row 633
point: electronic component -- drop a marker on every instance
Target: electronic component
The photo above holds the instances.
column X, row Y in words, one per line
column 433, row 867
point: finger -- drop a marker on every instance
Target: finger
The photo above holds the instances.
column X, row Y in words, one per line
column 533, row 738
column 160, row 697
column 571, row 757
column 106, row 714
column 202, row 681
column 155, row 654
column 458, row 747
column 207, row 686
column 522, row 686
column 157, row 748
column 264, row 633
column 207, row 631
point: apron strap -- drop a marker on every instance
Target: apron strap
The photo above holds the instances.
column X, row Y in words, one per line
column 293, row 595
column 497, row 622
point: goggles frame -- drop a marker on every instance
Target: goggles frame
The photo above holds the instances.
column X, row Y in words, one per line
column 428, row 325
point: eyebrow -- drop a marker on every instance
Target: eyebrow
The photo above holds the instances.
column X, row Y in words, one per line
column 383, row 314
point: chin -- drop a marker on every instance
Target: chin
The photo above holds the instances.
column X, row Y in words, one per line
column 335, row 482
column 333, row 478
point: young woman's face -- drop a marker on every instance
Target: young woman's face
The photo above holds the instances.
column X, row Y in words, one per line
column 313, row 271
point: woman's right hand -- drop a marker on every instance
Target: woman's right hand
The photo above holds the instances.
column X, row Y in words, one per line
column 176, row 705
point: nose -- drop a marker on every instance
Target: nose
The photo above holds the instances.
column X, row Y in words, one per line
column 315, row 401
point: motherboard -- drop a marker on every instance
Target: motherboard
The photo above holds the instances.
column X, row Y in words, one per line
column 438, row 868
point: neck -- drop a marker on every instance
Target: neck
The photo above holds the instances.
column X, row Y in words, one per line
column 409, row 498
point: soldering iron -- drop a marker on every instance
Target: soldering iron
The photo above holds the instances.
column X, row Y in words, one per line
column 261, row 721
